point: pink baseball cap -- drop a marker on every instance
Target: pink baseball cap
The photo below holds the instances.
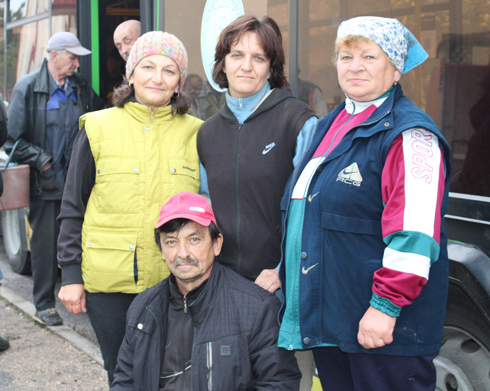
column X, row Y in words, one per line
column 186, row 205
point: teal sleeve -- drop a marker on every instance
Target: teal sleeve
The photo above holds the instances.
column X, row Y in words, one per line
column 384, row 305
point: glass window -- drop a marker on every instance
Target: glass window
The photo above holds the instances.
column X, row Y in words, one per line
column 19, row 9
column 186, row 26
column 64, row 16
column 26, row 50
column 2, row 45
column 452, row 86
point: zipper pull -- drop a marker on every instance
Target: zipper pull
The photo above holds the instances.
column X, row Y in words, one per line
column 209, row 363
column 152, row 115
column 185, row 305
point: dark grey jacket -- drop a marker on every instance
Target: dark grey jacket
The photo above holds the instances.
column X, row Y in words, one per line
column 27, row 118
column 235, row 339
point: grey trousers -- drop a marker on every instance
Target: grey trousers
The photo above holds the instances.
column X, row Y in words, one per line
column 45, row 230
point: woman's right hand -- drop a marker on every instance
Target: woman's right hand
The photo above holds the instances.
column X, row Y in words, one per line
column 73, row 298
column 375, row 329
column 269, row 280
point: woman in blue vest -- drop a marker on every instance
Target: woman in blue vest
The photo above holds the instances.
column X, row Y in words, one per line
column 365, row 267
column 127, row 161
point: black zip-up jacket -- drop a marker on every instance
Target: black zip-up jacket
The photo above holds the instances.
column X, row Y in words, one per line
column 235, row 339
column 248, row 166
column 27, row 119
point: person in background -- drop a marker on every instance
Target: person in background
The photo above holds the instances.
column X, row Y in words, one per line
column 44, row 110
column 193, row 86
column 204, row 327
column 127, row 161
column 125, row 35
column 4, row 340
column 249, row 149
column 365, row 267
column 312, row 95
column 208, row 102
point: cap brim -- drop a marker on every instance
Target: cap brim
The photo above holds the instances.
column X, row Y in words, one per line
column 78, row 50
column 199, row 220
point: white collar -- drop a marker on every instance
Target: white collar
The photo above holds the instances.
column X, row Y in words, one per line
column 355, row 107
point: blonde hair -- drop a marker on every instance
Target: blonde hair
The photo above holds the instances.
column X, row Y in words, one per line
column 353, row 41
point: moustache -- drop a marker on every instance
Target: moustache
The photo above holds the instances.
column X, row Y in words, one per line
column 187, row 261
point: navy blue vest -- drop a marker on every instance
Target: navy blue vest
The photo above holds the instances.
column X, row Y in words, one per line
column 342, row 231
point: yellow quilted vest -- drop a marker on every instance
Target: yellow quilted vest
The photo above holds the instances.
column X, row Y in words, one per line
column 142, row 158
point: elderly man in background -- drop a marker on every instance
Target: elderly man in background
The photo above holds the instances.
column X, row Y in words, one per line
column 44, row 111
column 125, row 35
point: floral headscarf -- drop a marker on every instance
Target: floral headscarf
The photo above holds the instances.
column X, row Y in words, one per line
column 391, row 36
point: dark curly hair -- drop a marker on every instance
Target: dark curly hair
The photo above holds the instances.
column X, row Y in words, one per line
column 270, row 39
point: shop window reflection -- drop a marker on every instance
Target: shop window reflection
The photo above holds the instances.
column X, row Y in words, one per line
column 26, row 50
column 64, row 16
column 474, row 176
column 26, row 8
column 2, row 53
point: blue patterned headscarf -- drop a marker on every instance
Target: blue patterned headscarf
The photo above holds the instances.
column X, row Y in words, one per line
column 391, row 36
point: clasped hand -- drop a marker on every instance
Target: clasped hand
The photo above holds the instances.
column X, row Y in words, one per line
column 375, row 329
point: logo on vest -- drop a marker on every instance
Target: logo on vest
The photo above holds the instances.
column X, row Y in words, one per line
column 305, row 271
column 350, row 175
column 268, row 148
column 311, row 196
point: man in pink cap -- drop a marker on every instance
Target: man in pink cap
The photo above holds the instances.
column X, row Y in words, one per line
column 204, row 327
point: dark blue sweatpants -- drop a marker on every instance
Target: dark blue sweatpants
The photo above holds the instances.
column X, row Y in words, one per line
column 339, row 371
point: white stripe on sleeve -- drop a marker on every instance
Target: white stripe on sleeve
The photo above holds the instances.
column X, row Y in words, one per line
column 422, row 159
column 407, row 262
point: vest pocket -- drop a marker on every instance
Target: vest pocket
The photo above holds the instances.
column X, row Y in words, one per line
column 116, row 186
column 108, row 261
column 184, row 175
column 351, row 224
column 224, row 356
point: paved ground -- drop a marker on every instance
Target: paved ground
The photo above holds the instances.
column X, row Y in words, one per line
column 40, row 359
column 44, row 358
column 22, row 286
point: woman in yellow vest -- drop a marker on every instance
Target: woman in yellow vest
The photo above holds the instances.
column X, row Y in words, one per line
column 127, row 162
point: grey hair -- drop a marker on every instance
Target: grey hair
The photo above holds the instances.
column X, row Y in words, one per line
column 61, row 52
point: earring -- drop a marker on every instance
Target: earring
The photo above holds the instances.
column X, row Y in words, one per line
column 395, row 83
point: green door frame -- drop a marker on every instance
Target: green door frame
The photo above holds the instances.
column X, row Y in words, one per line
column 87, row 13
column 89, row 38
column 94, row 44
